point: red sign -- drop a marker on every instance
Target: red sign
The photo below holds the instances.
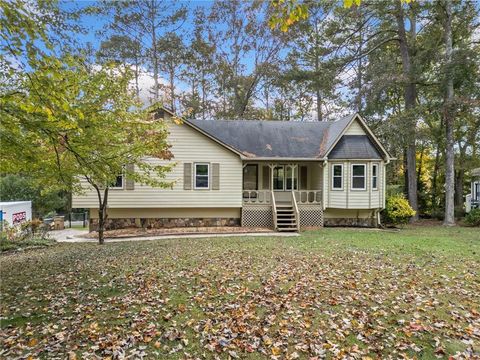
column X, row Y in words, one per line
column 17, row 218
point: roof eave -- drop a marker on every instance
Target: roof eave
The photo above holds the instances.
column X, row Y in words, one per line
column 388, row 158
column 185, row 121
column 246, row 158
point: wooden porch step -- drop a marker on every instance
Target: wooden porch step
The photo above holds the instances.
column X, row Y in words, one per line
column 287, row 229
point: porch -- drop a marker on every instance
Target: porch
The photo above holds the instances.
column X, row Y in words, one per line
column 282, row 196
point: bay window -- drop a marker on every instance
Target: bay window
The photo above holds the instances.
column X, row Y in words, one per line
column 358, row 176
column 337, row 177
column 374, row 176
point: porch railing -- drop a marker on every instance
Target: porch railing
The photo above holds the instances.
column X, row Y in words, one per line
column 264, row 197
column 258, row 197
column 274, row 210
column 305, row 197
column 296, row 212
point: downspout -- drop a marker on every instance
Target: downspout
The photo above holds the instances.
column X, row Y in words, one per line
column 325, row 163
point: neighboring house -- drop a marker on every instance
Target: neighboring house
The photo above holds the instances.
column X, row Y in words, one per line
column 473, row 199
column 282, row 175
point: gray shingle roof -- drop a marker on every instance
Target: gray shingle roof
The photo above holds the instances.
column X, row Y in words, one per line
column 276, row 139
column 354, row 147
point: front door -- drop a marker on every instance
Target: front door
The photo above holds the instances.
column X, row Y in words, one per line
column 285, row 178
column 279, row 178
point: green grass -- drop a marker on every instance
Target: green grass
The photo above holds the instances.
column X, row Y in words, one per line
column 407, row 293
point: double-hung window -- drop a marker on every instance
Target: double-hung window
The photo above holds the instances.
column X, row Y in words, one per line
column 358, row 176
column 202, row 178
column 374, row 176
column 337, row 177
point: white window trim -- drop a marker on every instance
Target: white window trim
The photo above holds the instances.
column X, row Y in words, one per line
column 123, row 182
column 294, row 174
column 364, row 176
column 195, row 176
column 376, row 176
column 341, row 177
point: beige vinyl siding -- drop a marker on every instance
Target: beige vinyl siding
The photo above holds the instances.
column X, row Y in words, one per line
column 315, row 176
column 188, row 146
column 349, row 198
column 175, row 213
column 355, row 129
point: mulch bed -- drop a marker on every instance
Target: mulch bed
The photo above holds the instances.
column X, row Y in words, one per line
column 137, row 232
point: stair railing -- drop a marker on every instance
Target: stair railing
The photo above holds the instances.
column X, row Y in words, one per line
column 295, row 208
column 274, row 210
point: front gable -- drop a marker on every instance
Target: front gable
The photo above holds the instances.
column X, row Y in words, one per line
column 357, row 141
column 355, row 128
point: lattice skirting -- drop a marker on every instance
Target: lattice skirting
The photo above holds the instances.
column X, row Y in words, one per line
column 310, row 216
column 257, row 216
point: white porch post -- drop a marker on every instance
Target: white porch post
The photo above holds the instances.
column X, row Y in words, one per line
column 271, row 166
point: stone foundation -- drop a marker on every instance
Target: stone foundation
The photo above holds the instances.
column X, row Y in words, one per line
column 354, row 222
column 157, row 223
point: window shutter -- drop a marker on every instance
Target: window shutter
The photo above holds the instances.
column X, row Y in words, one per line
column 266, row 178
column 215, row 176
column 187, row 176
column 129, row 182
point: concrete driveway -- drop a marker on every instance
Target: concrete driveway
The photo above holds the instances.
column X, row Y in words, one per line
column 67, row 235
column 74, row 235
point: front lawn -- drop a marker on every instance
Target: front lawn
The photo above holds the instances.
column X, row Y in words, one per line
column 328, row 293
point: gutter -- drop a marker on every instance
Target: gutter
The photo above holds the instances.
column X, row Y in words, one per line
column 279, row 159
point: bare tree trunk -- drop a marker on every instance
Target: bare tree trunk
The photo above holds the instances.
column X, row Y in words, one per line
column 460, row 176
column 420, row 165
column 172, row 91
column 435, row 176
column 459, row 188
column 154, row 54
column 137, row 87
column 203, row 94
column 449, row 219
column 103, row 218
column 410, row 103
column 359, row 62
column 102, row 213
column 319, row 106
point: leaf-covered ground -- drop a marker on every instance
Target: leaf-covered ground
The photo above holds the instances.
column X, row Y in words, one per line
column 334, row 293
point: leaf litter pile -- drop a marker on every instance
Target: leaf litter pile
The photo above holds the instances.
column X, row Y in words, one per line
column 278, row 298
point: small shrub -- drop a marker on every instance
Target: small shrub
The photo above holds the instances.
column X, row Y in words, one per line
column 397, row 210
column 27, row 234
column 473, row 218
